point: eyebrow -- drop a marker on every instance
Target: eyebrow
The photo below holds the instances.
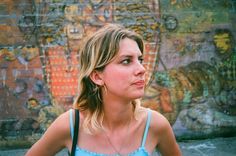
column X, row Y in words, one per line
column 130, row 56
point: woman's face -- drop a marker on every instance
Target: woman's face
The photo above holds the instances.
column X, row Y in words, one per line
column 124, row 77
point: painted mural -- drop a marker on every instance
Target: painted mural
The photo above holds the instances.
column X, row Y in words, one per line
column 190, row 59
column 194, row 85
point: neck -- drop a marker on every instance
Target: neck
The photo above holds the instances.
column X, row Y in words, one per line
column 117, row 114
column 121, row 131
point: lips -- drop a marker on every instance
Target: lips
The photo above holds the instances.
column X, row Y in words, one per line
column 139, row 83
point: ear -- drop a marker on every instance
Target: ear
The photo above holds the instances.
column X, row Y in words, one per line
column 96, row 77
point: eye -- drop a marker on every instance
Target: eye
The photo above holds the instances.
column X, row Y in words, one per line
column 126, row 61
column 140, row 59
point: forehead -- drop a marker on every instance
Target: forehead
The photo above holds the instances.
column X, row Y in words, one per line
column 128, row 46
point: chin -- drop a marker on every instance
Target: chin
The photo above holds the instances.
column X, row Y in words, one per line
column 138, row 96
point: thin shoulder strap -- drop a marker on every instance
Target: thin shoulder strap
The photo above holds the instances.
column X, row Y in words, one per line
column 75, row 134
column 71, row 124
column 146, row 128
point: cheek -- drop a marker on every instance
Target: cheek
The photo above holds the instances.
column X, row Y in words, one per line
column 117, row 76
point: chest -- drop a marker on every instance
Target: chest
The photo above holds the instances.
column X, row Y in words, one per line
column 125, row 141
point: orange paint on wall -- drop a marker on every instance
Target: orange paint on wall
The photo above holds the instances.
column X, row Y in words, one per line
column 62, row 73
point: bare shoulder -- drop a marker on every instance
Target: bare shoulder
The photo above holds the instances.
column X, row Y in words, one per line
column 62, row 120
column 162, row 134
column 62, row 123
column 61, row 126
column 158, row 121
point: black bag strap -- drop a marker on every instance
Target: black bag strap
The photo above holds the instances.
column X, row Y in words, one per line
column 76, row 130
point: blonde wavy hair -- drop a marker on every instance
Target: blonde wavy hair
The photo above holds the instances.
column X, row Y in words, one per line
column 99, row 50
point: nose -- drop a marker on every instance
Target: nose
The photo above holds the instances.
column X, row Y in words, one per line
column 140, row 69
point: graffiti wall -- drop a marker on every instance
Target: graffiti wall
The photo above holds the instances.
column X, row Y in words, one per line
column 190, row 57
column 194, row 84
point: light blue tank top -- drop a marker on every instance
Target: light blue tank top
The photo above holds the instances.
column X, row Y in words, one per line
column 141, row 151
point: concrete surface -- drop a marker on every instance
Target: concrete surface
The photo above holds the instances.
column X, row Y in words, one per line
column 208, row 147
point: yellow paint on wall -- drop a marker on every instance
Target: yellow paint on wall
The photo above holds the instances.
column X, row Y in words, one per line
column 222, row 42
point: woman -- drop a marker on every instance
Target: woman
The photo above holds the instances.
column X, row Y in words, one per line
column 112, row 122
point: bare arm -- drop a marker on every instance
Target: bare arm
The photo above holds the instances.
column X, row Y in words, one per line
column 54, row 139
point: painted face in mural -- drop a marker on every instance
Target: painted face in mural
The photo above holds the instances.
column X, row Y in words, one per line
column 222, row 40
column 124, row 76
